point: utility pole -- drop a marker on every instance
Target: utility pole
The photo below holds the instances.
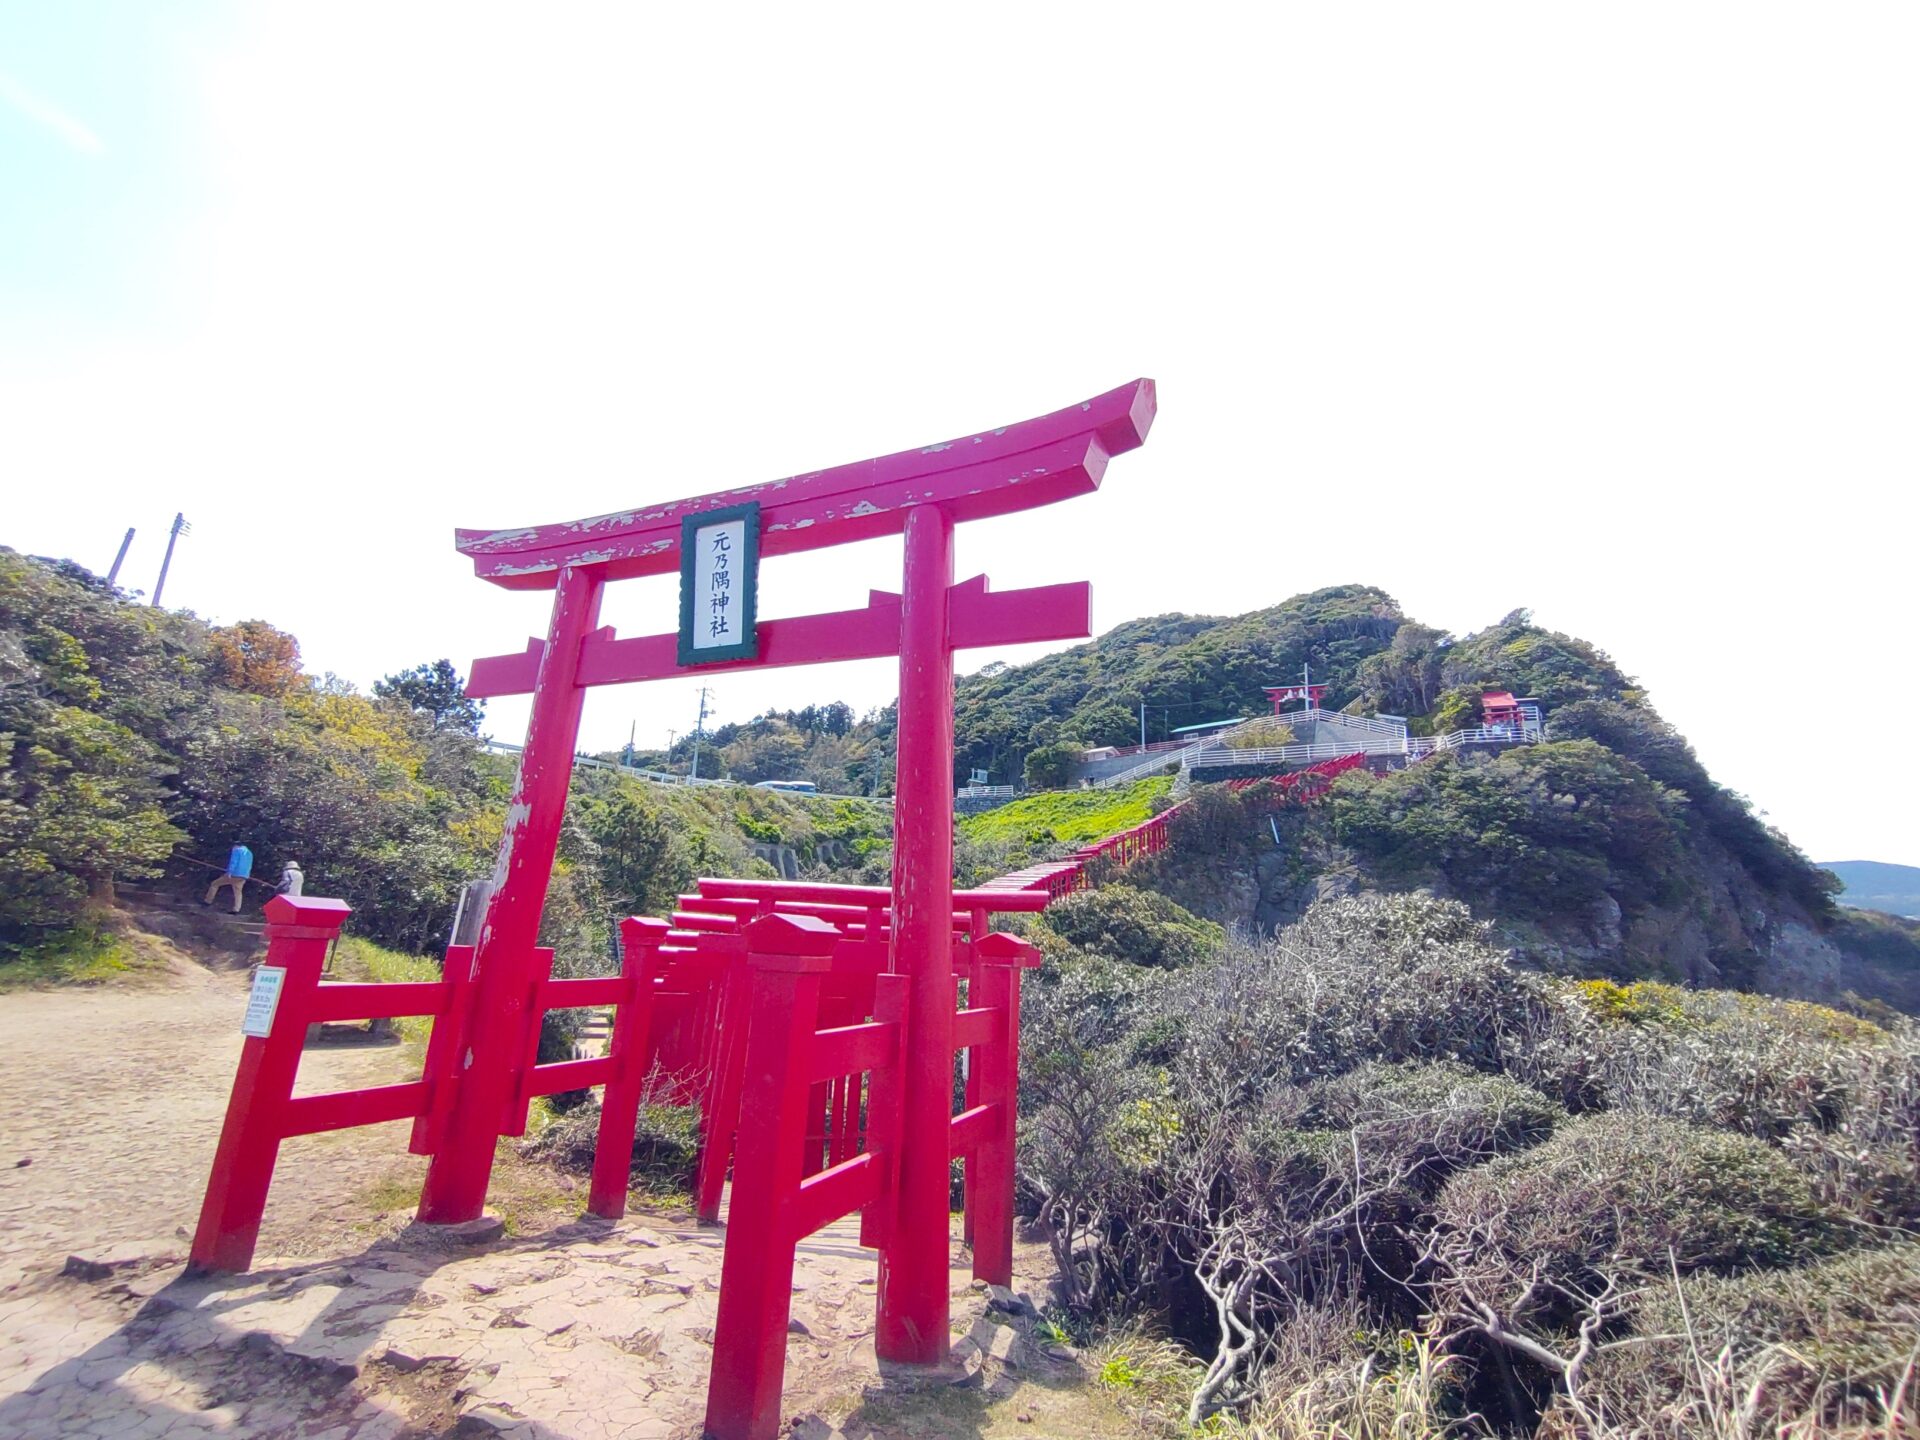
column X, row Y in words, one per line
column 1143, row 724
column 699, row 730
column 114, row 574
column 628, row 756
column 180, row 527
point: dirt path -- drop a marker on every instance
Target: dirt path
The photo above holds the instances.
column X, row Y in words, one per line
column 346, row 1330
column 114, row 1098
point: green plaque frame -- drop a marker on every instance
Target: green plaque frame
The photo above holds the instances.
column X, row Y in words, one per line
column 745, row 589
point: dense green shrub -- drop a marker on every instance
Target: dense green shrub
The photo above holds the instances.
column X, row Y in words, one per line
column 1537, row 1257
column 82, row 790
column 1364, row 1116
column 1079, row 1093
column 666, row 1143
column 1137, row 926
column 1639, row 735
column 1837, row 1094
column 1536, row 831
column 1401, row 977
column 1441, row 1117
column 1626, row 1192
column 1050, row 767
column 1830, row 1341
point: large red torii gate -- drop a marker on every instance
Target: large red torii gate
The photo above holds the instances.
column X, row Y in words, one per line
column 921, row 494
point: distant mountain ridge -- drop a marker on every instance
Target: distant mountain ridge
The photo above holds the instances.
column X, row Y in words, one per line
column 1876, row 885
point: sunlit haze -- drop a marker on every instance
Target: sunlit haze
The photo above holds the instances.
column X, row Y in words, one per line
column 1605, row 312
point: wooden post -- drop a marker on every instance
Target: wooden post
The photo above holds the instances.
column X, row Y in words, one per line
column 977, row 921
column 456, row 1185
column 444, row 1046
column 788, row 956
column 299, row 932
column 724, row 1091
column 1000, row 959
column 620, row 1101
column 914, row 1300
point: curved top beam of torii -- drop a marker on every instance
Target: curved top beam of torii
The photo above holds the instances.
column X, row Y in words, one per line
column 996, row 472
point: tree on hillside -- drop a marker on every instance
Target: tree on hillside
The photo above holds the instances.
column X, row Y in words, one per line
column 351, row 789
column 1196, row 666
column 765, row 750
column 436, row 690
column 1051, row 766
column 834, row 718
column 1404, row 679
column 1535, row 831
column 642, row 863
column 81, row 792
column 1554, row 669
column 79, row 805
column 255, row 657
column 1650, row 742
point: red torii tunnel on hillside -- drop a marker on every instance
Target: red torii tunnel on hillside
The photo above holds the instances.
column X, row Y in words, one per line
column 920, row 494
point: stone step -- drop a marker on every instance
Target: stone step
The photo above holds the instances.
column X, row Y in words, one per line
column 247, row 924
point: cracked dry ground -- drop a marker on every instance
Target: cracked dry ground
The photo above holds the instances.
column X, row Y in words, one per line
column 354, row 1325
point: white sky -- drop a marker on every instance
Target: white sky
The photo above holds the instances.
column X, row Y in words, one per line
column 1609, row 312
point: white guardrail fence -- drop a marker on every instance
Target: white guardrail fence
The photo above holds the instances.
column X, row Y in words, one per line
column 1372, row 735
column 658, row 777
column 663, row 777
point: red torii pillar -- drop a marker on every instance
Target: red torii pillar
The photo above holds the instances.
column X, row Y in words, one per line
column 920, row 494
column 456, row 1184
column 914, row 1305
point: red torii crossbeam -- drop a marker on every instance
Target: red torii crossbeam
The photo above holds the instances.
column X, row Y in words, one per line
column 996, row 472
column 979, row 618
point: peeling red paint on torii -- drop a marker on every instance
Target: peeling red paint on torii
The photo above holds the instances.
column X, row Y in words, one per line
column 480, row 1069
column 995, row 472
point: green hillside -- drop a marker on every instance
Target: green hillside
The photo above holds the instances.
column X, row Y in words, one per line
column 140, row 744
column 1182, row 667
column 1609, row 850
column 1071, row 817
column 140, row 741
column 1185, row 668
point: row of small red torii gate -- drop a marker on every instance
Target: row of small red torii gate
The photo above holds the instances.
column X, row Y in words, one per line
column 817, row 1026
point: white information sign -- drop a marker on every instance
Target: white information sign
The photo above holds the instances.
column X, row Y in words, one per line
column 717, row 553
column 263, row 1000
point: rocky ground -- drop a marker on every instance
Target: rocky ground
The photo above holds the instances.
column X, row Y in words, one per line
column 355, row 1324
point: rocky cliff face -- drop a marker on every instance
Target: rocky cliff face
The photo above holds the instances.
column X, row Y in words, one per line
column 1729, row 933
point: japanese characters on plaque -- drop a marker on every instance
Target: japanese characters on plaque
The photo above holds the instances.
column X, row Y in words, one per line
column 719, row 585
column 263, row 1000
